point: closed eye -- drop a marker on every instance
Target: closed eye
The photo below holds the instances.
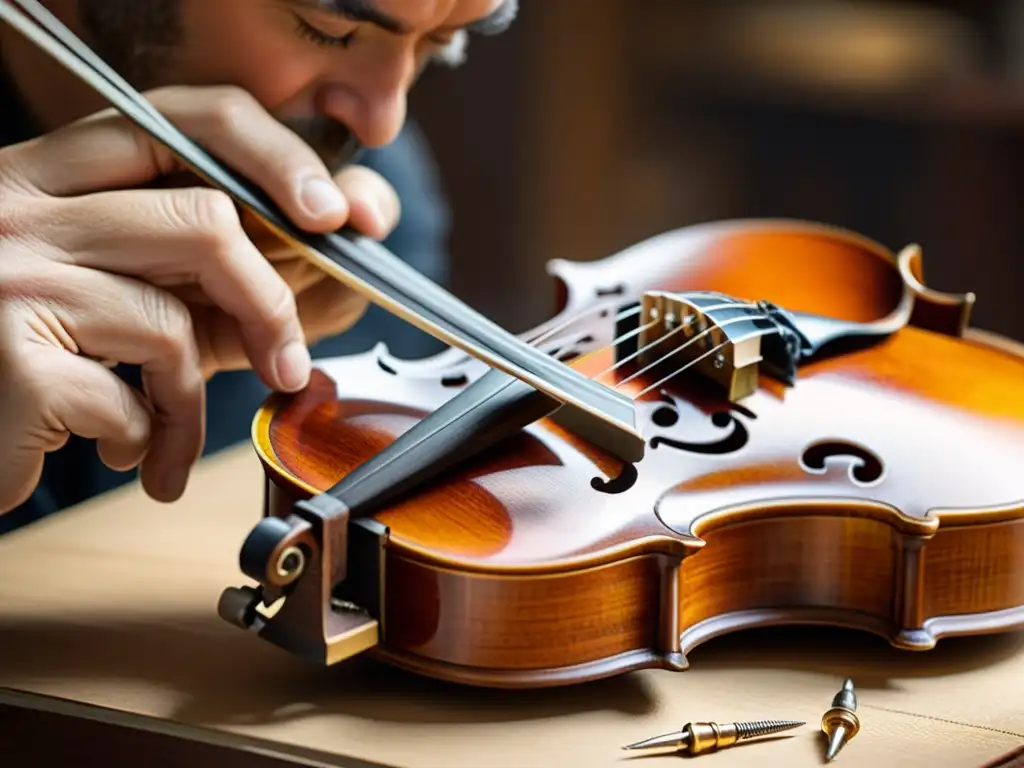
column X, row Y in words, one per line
column 307, row 31
column 442, row 40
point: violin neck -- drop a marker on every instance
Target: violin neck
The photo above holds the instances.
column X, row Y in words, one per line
column 488, row 411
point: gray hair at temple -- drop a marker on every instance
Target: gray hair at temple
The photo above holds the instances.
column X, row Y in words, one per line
column 454, row 53
column 498, row 21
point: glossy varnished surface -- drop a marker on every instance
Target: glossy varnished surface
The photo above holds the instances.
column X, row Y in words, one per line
column 945, row 444
column 944, row 417
column 882, row 491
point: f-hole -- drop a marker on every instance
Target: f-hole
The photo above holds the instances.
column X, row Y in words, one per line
column 621, row 483
column 615, row 290
column 865, row 469
column 667, row 416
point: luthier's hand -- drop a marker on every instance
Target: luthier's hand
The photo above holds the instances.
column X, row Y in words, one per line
column 93, row 268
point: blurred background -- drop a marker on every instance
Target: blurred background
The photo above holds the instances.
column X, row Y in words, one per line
column 594, row 124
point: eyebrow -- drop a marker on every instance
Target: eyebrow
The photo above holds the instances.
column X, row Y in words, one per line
column 366, row 11
column 359, row 10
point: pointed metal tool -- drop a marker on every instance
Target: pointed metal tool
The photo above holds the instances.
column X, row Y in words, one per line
column 841, row 723
column 695, row 738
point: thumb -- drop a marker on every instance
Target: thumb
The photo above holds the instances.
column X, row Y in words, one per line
column 374, row 205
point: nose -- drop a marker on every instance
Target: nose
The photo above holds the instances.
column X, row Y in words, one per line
column 373, row 108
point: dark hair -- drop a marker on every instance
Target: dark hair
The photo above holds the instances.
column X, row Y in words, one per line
column 133, row 36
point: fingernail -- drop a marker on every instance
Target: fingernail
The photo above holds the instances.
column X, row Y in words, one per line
column 376, row 225
column 322, row 198
column 382, row 219
column 293, row 366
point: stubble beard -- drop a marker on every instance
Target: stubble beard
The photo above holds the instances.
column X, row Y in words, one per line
column 141, row 40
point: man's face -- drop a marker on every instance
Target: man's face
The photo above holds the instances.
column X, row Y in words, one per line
column 331, row 69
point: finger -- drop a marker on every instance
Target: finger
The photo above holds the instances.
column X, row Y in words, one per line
column 183, row 236
column 374, row 206
column 266, row 240
column 122, row 319
column 329, row 308
column 326, row 309
column 300, row 274
column 297, row 273
column 79, row 396
column 107, row 151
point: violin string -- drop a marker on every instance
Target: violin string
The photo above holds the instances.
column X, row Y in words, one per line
column 675, row 330
column 604, row 306
column 640, row 329
column 661, row 340
column 696, row 338
column 627, row 313
column 640, row 350
column 691, row 363
column 552, row 348
column 614, row 342
column 556, row 346
column 624, row 314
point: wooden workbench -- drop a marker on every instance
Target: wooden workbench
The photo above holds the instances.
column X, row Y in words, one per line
column 109, row 617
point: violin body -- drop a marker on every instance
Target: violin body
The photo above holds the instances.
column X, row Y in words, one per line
column 882, row 491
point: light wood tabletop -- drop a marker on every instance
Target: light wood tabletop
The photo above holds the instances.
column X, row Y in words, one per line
column 113, row 605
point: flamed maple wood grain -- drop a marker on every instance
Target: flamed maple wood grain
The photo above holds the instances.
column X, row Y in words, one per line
column 515, row 571
column 523, row 622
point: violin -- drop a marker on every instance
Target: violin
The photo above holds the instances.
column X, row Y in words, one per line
column 826, row 442
column 726, row 426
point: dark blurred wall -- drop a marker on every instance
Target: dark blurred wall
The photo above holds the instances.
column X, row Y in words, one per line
column 475, row 118
column 579, row 133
